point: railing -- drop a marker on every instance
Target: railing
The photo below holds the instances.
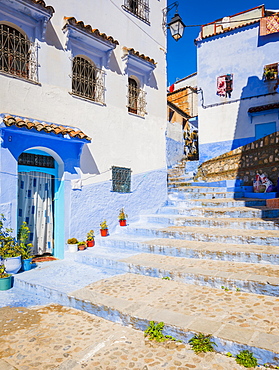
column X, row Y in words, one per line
column 138, row 7
column 18, row 55
column 88, row 81
column 136, row 101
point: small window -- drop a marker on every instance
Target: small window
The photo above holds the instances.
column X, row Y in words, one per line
column 225, row 85
column 270, row 72
column 87, row 80
column 136, row 98
column 17, row 54
column 138, row 7
column 121, row 179
column 37, row 160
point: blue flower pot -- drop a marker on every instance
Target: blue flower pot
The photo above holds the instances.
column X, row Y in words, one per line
column 26, row 264
column 12, row 264
column 6, row 283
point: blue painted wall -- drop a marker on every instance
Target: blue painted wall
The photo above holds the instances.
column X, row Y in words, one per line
column 224, row 123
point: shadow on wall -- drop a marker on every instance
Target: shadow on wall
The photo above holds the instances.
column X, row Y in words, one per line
column 113, row 64
column 52, row 38
column 87, row 162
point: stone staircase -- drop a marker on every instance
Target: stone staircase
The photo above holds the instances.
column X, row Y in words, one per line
column 218, row 254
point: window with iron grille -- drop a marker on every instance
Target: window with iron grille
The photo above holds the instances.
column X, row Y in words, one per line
column 87, row 80
column 136, row 98
column 18, row 56
column 138, row 7
column 37, row 160
column 121, row 179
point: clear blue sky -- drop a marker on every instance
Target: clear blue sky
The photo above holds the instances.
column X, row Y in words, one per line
column 181, row 56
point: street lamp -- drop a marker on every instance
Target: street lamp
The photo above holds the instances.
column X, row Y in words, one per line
column 176, row 26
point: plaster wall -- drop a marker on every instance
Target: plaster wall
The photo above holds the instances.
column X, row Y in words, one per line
column 224, row 123
column 119, row 138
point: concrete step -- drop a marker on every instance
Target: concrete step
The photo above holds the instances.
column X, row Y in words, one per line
column 224, row 212
column 202, row 189
column 251, row 253
column 248, row 277
column 215, row 222
column 219, row 235
column 205, row 195
column 227, row 202
column 236, row 320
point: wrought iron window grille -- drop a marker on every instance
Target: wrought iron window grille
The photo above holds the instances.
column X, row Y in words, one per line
column 88, row 80
column 18, row 55
column 121, row 179
column 136, row 100
column 139, row 8
column 270, row 72
column 37, row 160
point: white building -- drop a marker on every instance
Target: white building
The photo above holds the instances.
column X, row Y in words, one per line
column 238, row 80
column 83, row 114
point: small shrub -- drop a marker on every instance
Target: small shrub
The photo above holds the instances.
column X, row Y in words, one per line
column 166, row 278
column 72, row 241
column 154, row 332
column 202, row 343
column 246, row 359
column 229, row 354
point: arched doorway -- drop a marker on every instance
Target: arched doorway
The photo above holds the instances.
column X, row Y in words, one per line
column 37, row 183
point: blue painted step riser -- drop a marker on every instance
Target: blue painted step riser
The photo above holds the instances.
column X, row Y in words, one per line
column 247, row 213
column 239, row 203
column 204, row 237
column 237, row 224
column 193, row 279
column 190, row 196
column 226, row 255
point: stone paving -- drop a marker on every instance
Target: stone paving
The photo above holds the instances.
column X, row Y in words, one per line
column 56, row 337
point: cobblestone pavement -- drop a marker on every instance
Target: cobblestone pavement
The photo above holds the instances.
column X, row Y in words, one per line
column 57, row 337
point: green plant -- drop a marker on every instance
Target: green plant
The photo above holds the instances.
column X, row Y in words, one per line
column 3, row 274
column 8, row 245
column 103, row 225
column 154, row 332
column 81, row 243
column 72, row 241
column 122, row 215
column 246, row 359
column 225, row 288
column 90, row 235
column 22, row 236
column 238, row 289
column 228, row 354
column 202, row 343
column 166, row 278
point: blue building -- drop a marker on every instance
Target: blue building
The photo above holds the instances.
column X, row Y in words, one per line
column 238, row 80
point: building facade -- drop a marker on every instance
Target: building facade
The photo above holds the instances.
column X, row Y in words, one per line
column 238, row 80
column 83, row 115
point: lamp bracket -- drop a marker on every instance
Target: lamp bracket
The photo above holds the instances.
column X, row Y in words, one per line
column 165, row 13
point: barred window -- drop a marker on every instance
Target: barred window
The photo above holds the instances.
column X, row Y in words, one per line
column 121, row 179
column 138, row 7
column 18, row 56
column 136, row 98
column 87, row 80
column 271, row 72
column 29, row 159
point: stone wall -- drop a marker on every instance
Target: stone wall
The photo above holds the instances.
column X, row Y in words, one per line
column 261, row 155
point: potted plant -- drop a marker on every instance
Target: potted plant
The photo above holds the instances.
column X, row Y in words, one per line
column 25, row 249
column 104, row 228
column 5, row 279
column 9, row 250
column 81, row 245
column 122, row 217
column 72, row 245
column 90, row 239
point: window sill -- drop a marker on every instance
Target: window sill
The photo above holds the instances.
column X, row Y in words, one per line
column 20, row 78
column 87, row 99
column 137, row 115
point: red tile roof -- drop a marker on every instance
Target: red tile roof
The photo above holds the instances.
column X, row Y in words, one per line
column 230, row 29
column 46, row 127
column 142, row 56
column 261, row 108
column 87, row 28
column 43, row 5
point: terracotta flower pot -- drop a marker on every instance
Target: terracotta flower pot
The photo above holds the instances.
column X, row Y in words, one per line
column 104, row 232
column 122, row 223
column 90, row 243
column 81, row 247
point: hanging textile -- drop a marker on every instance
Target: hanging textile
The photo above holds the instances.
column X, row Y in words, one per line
column 269, row 25
column 35, row 207
column 221, row 86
